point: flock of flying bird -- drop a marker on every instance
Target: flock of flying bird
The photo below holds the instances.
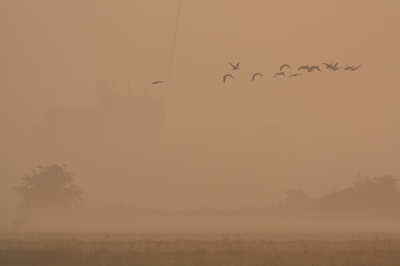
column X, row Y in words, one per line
column 309, row 69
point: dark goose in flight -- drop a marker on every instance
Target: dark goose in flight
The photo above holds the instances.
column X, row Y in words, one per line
column 256, row 74
column 158, row 81
column 315, row 67
column 328, row 65
column 352, row 68
column 309, row 68
column 282, row 66
column 225, row 76
column 295, row 75
column 280, row 73
column 331, row 66
column 233, row 66
column 304, row 67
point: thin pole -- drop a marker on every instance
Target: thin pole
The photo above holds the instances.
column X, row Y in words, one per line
column 173, row 47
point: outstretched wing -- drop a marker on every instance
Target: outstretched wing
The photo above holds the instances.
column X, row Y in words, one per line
column 231, row 64
column 227, row 75
column 285, row 65
column 317, row 68
column 327, row 65
column 256, row 74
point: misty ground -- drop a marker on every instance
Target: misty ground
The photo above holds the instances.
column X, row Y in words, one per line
column 352, row 226
column 124, row 236
column 199, row 249
column 126, row 220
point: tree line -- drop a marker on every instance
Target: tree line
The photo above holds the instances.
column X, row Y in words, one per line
column 366, row 197
column 51, row 188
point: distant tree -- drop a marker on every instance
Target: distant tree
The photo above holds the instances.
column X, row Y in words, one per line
column 49, row 189
column 367, row 196
column 297, row 197
column 385, row 185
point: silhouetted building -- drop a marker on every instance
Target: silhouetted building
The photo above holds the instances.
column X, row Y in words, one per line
column 113, row 115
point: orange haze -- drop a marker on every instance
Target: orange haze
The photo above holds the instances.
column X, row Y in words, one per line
column 234, row 145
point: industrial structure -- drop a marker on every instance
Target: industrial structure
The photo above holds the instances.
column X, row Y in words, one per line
column 113, row 115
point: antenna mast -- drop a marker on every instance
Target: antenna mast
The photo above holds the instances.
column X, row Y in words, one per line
column 173, row 46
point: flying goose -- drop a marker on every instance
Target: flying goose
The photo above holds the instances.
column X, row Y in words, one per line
column 309, row 68
column 233, row 66
column 304, row 67
column 158, row 81
column 280, row 73
column 295, row 75
column 328, row 65
column 254, row 76
column 331, row 66
column 352, row 68
column 315, row 67
column 285, row 65
column 227, row 75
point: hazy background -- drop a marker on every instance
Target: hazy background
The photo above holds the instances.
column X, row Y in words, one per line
column 234, row 145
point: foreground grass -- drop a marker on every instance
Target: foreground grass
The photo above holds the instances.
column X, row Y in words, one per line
column 227, row 251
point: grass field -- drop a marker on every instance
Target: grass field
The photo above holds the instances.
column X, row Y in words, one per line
column 200, row 249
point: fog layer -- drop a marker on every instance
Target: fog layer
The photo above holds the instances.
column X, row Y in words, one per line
column 228, row 145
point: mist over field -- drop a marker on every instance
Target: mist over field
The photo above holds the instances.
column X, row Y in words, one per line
column 315, row 152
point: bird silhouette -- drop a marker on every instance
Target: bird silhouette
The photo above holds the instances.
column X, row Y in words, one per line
column 309, row 68
column 352, row 68
column 158, row 81
column 331, row 66
column 295, row 75
column 280, row 73
column 233, row 66
column 304, row 67
column 328, row 65
column 225, row 76
column 315, row 67
column 285, row 65
column 254, row 76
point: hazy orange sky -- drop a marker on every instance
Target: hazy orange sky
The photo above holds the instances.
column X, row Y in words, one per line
column 316, row 131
